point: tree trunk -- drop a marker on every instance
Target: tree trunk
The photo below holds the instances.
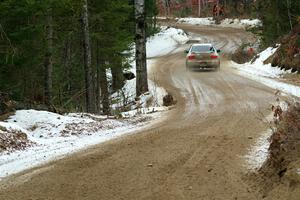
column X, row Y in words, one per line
column 199, row 8
column 89, row 86
column 102, row 85
column 67, row 64
column 289, row 5
column 48, row 63
column 140, row 43
column 165, row 7
column 104, row 90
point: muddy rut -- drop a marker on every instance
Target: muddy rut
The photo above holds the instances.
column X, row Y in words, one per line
column 196, row 152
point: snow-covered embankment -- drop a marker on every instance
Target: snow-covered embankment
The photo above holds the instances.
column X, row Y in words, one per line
column 266, row 74
column 230, row 23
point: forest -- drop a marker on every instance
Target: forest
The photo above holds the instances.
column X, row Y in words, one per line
column 55, row 54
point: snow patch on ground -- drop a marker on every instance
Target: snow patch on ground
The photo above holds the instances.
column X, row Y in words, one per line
column 266, row 74
column 160, row 44
column 259, row 152
column 259, row 68
column 197, row 21
column 243, row 23
column 147, row 110
column 128, row 93
column 13, row 127
column 43, row 124
column 55, row 136
column 232, row 23
column 165, row 41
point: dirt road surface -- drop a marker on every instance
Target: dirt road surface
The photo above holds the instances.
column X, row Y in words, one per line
column 196, row 153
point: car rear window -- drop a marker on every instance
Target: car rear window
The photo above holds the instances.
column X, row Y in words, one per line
column 204, row 48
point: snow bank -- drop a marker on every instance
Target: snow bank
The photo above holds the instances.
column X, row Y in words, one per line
column 43, row 123
column 12, row 127
column 165, row 41
column 54, row 136
column 243, row 23
column 267, row 74
column 233, row 23
column 197, row 21
column 146, row 110
column 12, row 137
column 259, row 152
column 259, row 68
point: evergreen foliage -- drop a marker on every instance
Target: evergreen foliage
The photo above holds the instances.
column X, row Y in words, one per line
column 24, row 48
column 276, row 19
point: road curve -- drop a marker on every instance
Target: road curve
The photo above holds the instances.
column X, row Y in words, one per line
column 196, row 153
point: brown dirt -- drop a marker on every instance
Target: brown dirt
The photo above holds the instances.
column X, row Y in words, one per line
column 288, row 54
column 292, row 79
column 194, row 154
column 11, row 140
column 281, row 170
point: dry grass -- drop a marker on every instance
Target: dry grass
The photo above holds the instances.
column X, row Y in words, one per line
column 11, row 140
column 280, row 170
column 241, row 55
column 285, row 142
column 284, row 149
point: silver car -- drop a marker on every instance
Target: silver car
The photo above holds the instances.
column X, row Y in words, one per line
column 201, row 56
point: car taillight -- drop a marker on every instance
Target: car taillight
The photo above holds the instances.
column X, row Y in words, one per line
column 191, row 57
column 214, row 56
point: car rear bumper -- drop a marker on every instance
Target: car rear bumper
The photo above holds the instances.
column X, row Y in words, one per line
column 203, row 64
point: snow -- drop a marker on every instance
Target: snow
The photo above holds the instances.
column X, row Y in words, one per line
column 43, row 123
column 10, row 126
column 55, row 136
column 128, row 93
column 147, row 110
column 197, row 21
column 259, row 152
column 161, row 18
column 165, row 41
column 266, row 74
column 233, row 23
column 261, row 69
column 243, row 23
column 269, row 76
column 162, row 43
